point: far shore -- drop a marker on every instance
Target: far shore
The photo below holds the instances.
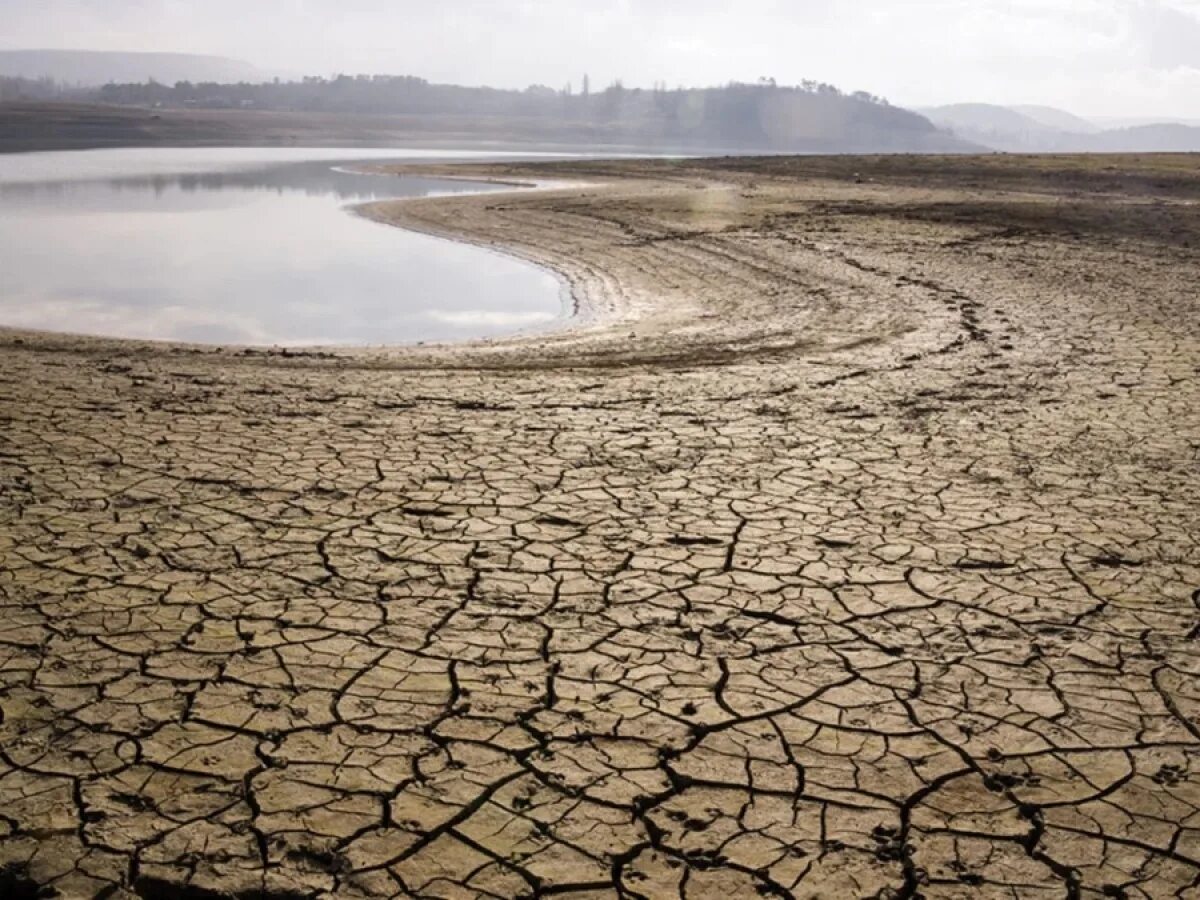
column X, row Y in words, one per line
column 31, row 127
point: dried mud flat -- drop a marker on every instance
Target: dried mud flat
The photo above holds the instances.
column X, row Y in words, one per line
column 848, row 550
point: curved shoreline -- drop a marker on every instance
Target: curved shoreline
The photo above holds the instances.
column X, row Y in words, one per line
column 678, row 308
column 700, row 302
column 323, row 281
column 573, row 312
column 733, row 283
column 580, row 313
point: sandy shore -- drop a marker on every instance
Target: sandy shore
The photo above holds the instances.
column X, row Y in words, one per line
column 846, row 548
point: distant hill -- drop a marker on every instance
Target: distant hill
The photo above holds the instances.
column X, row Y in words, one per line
column 92, row 68
column 1114, row 122
column 1041, row 129
column 761, row 117
column 998, row 127
column 1163, row 138
column 1058, row 119
column 982, row 117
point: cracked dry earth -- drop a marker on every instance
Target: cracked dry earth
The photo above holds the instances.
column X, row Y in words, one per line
column 848, row 550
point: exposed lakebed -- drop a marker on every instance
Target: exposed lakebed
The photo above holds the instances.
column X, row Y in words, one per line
column 246, row 246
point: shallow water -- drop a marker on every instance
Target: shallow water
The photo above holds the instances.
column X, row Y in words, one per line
column 245, row 246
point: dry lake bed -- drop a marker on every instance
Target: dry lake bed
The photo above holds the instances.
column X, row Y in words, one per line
column 845, row 547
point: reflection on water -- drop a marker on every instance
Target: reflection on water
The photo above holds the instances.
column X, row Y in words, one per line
column 244, row 246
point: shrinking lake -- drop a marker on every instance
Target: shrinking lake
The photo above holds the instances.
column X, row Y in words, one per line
column 246, row 246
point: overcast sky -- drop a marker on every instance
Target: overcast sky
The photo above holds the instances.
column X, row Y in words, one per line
column 1094, row 57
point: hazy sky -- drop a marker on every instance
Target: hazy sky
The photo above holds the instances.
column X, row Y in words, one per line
column 1095, row 57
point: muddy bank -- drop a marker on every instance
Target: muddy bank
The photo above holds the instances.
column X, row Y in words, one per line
column 848, row 548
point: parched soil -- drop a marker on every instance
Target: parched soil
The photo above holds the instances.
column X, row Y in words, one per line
column 847, row 548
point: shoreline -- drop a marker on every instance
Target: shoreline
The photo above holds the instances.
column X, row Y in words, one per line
column 601, row 296
column 564, row 308
column 573, row 313
column 578, row 312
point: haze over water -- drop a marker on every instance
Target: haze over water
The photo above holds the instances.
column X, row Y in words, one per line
column 245, row 246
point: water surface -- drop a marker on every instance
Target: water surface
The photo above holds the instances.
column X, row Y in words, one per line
column 246, row 246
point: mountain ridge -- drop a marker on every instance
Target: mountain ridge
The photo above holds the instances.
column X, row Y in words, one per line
column 1042, row 129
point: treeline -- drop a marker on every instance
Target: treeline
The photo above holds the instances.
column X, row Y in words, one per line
column 762, row 115
column 15, row 89
column 406, row 94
